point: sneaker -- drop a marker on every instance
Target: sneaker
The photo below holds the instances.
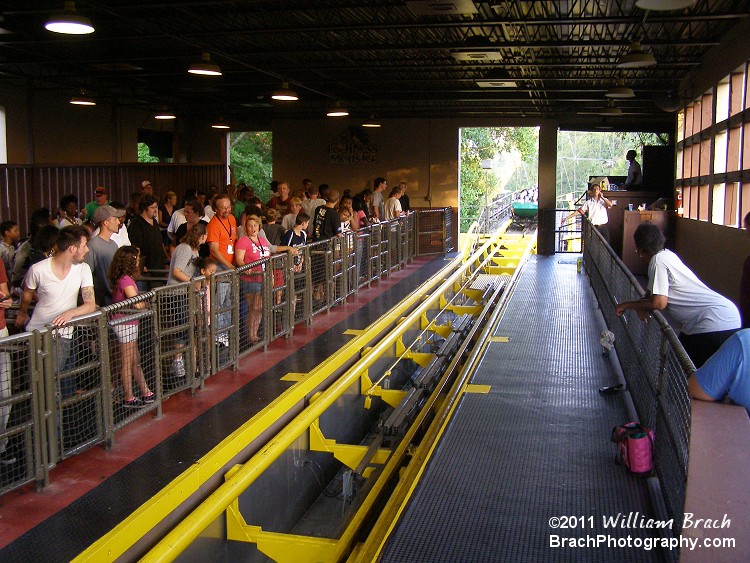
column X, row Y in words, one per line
column 7, row 459
column 178, row 366
column 134, row 403
column 148, row 399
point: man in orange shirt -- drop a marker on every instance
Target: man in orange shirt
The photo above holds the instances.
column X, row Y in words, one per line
column 221, row 235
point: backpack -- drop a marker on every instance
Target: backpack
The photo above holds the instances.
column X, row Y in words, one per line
column 635, row 447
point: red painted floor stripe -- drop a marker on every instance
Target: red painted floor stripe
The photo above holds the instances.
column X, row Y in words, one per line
column 24, row 508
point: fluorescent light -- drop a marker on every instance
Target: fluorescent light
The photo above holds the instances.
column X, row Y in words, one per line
column 371, row 123
column 664, row 5
column 70, row 22
column 611, row 109
column 285, row 94
column 81, row 99
column 165, row 115
column 221, row 124
column 205, row 67
column 619, row 90
column 337, row 111
column 636, row 57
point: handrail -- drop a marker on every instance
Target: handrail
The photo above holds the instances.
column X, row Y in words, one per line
column 654, row 364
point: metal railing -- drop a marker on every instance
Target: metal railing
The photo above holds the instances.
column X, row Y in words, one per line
column 64, row 388
column 655, row 366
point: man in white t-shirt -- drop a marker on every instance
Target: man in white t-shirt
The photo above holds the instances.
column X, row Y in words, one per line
column 56, row 283
column 704, row 318
column 392, row 206
column 596, row 209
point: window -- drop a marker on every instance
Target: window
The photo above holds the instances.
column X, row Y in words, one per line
column 713, row 152
column 3, row 138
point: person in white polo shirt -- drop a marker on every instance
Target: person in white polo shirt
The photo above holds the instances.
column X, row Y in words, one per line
column 596, row 208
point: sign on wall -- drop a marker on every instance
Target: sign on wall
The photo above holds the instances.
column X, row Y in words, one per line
column 352, row 147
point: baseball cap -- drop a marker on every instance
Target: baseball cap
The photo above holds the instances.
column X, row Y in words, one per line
column 104, row 212
column 101, row 191
column 145, row 183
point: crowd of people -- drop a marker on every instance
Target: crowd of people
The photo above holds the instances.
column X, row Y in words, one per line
column 74, row 260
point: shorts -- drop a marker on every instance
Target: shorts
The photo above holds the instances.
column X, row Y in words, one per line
column 126, row 333
column 250, row 287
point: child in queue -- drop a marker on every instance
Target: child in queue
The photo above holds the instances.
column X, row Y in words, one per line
column 123, row 271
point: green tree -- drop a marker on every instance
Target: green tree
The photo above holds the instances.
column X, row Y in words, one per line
column 144, row 154
column 513, row 155
column 251, row 160
column 581, row 154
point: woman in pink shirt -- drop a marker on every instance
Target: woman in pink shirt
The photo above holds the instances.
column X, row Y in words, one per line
column 251, row 248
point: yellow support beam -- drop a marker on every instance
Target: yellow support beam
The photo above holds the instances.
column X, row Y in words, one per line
column 348, row 454
column 279, row 547
column 391, row 396
column 292, row 376
column 472, row 310
column 164, row 504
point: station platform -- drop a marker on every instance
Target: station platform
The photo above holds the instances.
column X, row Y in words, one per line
column 512, row 467
column 530, row 463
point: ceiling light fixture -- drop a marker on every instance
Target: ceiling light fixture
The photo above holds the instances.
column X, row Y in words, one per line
column 205, row 67
column 611, row 109
column 165, row 115
column 337, row 111
column 636, row 57
column 664, row 5
column 371, row 123
column 619, row 90
column 81, row 99
column 221, row 124
column 69, row 22
column 285, row 94
column 497, row 78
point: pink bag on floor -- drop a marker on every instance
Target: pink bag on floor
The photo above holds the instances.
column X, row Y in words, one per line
column 635, row 447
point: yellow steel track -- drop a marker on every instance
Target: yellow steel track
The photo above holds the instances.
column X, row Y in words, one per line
column 243, row 456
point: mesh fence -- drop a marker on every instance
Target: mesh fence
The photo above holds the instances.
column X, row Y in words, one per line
column 374, row 256
column 385, row 250
column 200, row 307
column 71, row 395
column 280, row 319
column 434, row 232
column 224, row 293
column 655, row 365
column 175, row 338
column 75, row 387
column 321, row 259
column 302, row 283
column 20, row 416
column 363, row 251
column 254, row 299
column 337, row 279
column 350, row 262
column 131, row 359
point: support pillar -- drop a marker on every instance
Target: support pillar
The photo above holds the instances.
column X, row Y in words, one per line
column 547, row 187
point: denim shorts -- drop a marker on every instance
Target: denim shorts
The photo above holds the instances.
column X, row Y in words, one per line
column 251, row 287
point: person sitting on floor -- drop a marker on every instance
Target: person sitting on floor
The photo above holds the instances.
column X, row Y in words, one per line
column 726, row 373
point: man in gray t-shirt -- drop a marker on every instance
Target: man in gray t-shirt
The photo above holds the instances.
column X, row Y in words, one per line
column 102, row 249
